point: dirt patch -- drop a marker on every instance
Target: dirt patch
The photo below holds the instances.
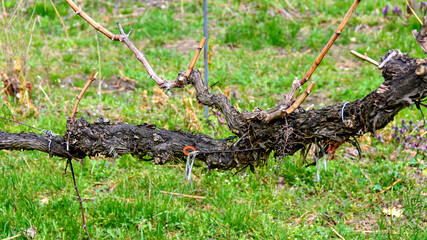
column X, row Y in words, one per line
column 367, row 225
column 113, row 84
column 183, row 46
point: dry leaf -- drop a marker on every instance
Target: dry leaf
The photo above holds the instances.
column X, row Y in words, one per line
column 192, row 122
column 159, row 97
column 393, row 212
column 30, row 233
column 226, row 92
column 44, row 200
column 145, row 108
column 410, row 153
column 352, row 152
column 144, row 96
column 394, row 155
column 367, row 139
column 192, row 91
column 17, row 65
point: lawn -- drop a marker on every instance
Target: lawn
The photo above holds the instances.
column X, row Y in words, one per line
column 256, row 49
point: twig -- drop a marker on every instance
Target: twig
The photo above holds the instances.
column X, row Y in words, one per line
column 126, row 78
column 301, row 99
column 364, row 57
column 41, row 88
column 290, row 5
column 421, row 37
column 141, row 57
column 92, row 22
column 80, row 199
column 284, row 109
column 196, row 55
column 295, row 86
column 99, row 67
column 122, row 37
column 389, row 187
column 388, row 58
column 80, row 96
column 4, row 9
column 13, row 237
column 183, row 195
column 413, row 12
column 319, row 60
column 330, row 43
column 37, row 18
column 17, row 8
column 335, row 231
column 367, row 177
column 60, row 18
column 332, row 227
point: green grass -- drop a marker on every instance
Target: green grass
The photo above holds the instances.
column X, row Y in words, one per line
column 254, row 51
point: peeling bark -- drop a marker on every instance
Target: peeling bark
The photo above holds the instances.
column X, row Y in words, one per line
column 405, row 83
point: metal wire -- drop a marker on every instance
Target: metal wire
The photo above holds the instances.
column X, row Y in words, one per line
column 189, row 166
column 205, row 53
column 342, row 112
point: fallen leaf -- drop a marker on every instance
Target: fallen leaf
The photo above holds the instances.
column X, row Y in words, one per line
column 30, row 233
column 17, row 65
column 44, row 200
column 394, row 155
column 159, row 97
column 411, row 154
column 393, row 212
column 366, row 147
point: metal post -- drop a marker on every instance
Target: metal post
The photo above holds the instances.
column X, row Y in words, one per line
column 205, row 33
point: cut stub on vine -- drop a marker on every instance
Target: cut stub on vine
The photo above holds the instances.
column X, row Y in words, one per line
column 421, row 36
column 421, row 69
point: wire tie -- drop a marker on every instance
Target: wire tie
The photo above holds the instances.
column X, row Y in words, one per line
column 318, row 171
column 342, row 112
column 189, row 166
column 48, row 146
column 186, row 148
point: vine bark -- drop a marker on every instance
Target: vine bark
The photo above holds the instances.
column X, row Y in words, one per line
column 405, row 84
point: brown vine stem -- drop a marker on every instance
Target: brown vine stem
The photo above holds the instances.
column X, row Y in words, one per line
column 80, row 199
column 330, row 43
column 364, row 57
column 196, row 55
column 389, row 187
column 319, row 59
column 183, row 195
column 80, row 96
column 122, row 37
column 301, row 99
column 413, row 12
column 60, row 18
column 92, row 22
column 141, row 57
